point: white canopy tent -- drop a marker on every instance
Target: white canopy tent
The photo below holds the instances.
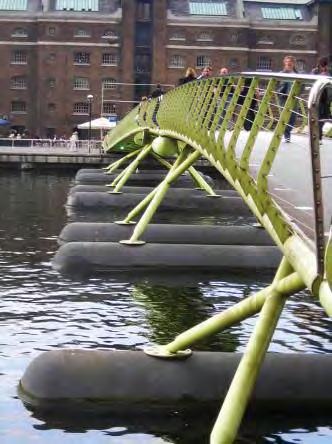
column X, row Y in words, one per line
column 98, row 124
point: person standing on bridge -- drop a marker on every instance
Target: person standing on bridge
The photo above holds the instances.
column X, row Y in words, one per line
column 324, row 109
column 289, row 63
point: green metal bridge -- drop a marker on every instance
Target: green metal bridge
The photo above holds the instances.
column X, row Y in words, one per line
column 237, row 123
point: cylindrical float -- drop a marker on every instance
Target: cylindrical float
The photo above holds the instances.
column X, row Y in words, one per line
column 147, row 190
column 165, row 233
column 134, row 179
column 129, row 380
column 198, row 203
column 97, row 257
column 84, row 171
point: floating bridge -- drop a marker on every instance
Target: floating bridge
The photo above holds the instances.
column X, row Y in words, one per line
column 237, row 123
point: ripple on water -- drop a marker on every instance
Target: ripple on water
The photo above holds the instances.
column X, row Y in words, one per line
column 40, row 311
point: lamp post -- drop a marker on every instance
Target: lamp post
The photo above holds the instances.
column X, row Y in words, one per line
column 90, row 100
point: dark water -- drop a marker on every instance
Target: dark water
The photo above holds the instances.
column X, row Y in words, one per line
column 40, row 310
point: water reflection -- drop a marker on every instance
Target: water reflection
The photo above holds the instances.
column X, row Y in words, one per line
column 40, row 310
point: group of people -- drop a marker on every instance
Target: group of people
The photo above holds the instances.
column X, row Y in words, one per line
column 289, row 67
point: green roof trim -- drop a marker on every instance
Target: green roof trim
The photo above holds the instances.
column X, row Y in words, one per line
column 282, row 13
column 13, row 5
column 77, row 5
column 207, row 8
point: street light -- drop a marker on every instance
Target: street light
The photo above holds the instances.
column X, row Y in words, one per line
column 90, row 100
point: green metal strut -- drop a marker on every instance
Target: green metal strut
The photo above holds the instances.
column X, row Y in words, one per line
column 115, row 165
column 233, row 408
column 182, row 163
column 131, row 168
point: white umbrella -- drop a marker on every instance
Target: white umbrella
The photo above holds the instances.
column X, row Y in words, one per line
column 101, row 123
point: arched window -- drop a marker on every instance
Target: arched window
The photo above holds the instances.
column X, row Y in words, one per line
column 82, row 33
column 109, row 83
column 202, row 61
column 205, row 36
column 176, row 61
column 20, row 32
column 178, row 35
column 264, row 63
column 110, row 34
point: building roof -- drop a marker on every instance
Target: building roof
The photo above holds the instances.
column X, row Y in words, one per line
column 13, row 5
column 280, row 13
column 282, row 2
column 77, row 5
column 207, row 8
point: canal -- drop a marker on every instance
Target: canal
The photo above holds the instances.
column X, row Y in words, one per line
column 40, row 310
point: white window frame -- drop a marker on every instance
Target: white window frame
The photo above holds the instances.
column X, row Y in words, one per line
column 109, row 83
column 83, row 55
column 264, row 63
column 18, row 82
column 110, row 111
column 81, row 108
column 81, row 83
column 109, row 59
column 23, row 108
column 19, row 57
column 202, row 61
column 177, row 61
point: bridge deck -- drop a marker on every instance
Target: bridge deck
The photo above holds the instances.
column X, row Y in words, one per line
column 288, row 182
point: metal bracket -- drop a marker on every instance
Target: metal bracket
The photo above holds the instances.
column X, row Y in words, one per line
column 161, row 352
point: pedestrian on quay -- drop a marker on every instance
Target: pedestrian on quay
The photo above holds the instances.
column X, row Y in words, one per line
column 324, row 107
column 73, row 140
column 289, row 67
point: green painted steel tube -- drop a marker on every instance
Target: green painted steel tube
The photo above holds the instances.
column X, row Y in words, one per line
column 185, row 162
column 132, row 167
column 195, row 175
column 233, row 408
column 233, row 315
column 119, row 176
column 200, row 181
column 144, row 203
column 140, row 207
column 115, row 165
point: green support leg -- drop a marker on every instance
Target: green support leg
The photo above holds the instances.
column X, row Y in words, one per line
column 248, row 307
column 132, row 167
column 199, row 181
column 233, row 408
column 115, row 165
column 184, row 161
column 119, row 176
column 144, row 203
column 138, row 209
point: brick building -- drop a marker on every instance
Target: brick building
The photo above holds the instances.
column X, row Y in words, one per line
column 56, row 52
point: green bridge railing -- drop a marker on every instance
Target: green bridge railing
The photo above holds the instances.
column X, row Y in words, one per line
column 237, row 123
